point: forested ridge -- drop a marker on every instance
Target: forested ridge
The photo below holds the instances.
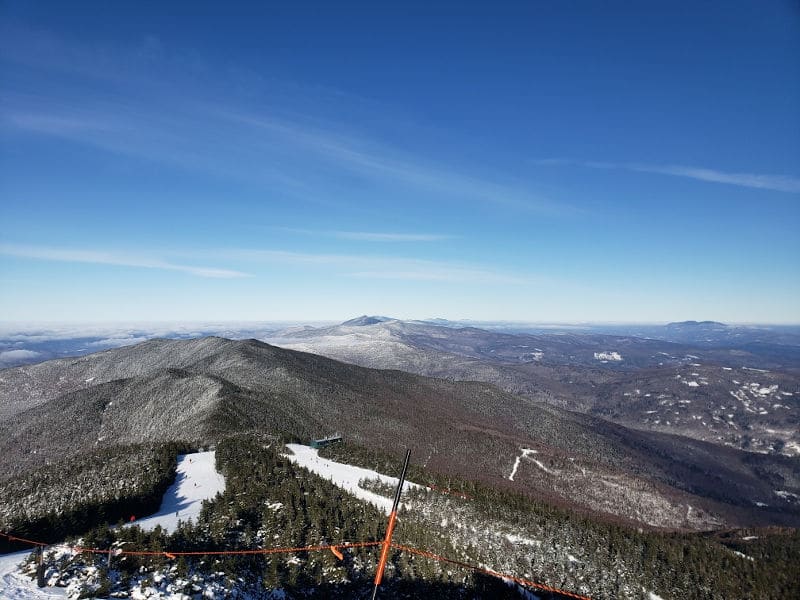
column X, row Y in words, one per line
column 203, row 390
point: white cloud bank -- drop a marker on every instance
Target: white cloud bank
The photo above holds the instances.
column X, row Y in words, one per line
column 10, row 358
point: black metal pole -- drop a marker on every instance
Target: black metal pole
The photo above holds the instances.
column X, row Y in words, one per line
column 390, row 527
column 399, row 490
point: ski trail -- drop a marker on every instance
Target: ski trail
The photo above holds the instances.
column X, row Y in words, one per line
column 345, row 476
column 525, row 452
column 196, row 479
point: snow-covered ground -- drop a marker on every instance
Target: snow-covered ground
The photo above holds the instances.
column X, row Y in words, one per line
column 15, row 586
column 197, row 479
column 344, row 476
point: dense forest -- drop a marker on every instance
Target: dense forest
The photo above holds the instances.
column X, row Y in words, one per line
column 610, row 560
column 270, row 502
column 103, row 486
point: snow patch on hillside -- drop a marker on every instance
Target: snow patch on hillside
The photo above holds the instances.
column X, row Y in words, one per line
column 608, row 356
column 370, row 345
column 196, row 479
column 518, row 539
column 792, row 447
column 788, row 496
column 345, row 476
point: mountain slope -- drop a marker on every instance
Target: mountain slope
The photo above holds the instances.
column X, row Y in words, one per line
column 640, row 383
column 203, row 390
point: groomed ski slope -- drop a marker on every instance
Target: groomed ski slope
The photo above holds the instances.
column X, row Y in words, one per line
column 345, row 476
column 196, row 479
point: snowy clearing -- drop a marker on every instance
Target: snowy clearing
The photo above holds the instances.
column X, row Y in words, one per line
column 345, row 476
column 527, row 452
column 196, row 479
column 517, row 539
column 742, row 555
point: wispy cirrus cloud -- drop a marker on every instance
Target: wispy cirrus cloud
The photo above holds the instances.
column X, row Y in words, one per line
column 268, row 149
column 109, row 258
column 372, row 236
column 777, row 183
column 210, row 132
column 443, row 274
column 344, row 265
column 172, row 136
column 368, row 236
column 375, row 160
column 55, row 124
column 380, row 267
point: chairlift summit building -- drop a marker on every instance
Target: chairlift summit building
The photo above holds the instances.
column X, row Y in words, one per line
column 336, row 438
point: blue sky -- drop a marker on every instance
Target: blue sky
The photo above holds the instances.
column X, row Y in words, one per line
column 561, row 161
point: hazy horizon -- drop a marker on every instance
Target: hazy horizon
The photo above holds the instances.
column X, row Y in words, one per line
column 10, row 324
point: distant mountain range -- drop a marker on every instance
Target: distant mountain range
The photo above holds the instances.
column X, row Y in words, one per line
column 746, row 396
column 205, row 389
column 29, row 344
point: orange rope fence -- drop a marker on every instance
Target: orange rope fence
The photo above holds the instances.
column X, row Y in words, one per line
column 519, row 580
column 171, row 553
column 334, row 548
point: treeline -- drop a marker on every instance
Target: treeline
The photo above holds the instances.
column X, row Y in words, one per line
column 269, row 502
column 599, row 558
column 71, row 497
